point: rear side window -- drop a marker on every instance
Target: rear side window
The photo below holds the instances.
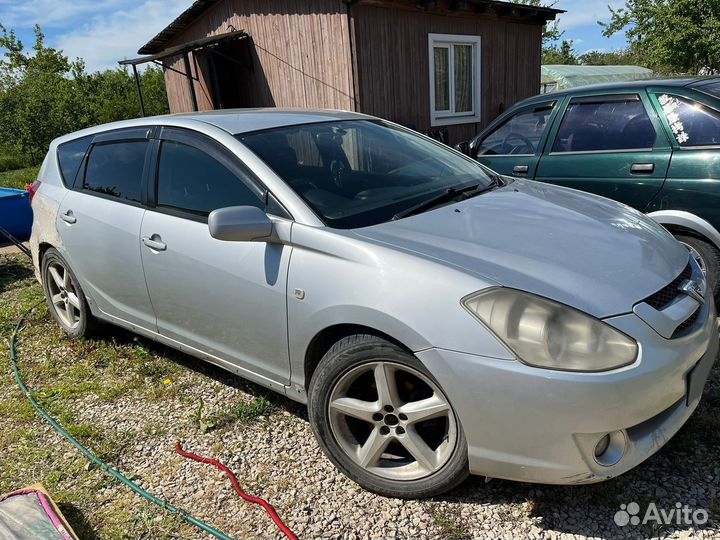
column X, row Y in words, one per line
column 605, row 125
column 520, row 134
column 116, row 169
column 193, row 181
column 692, row 124
column 70, row 156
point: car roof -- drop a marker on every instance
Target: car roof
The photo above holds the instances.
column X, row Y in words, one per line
column 233, row 121
column 237, row 121
column 695, row 82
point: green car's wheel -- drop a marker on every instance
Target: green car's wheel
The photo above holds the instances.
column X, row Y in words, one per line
column 707, row 257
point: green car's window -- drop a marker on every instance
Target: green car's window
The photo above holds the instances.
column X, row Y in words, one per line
column 712, row 88
column 596, row 126
column 518, row 135
column 692, row 124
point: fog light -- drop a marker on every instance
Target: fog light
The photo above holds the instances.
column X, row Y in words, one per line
column 602, row 446
column 610, row 449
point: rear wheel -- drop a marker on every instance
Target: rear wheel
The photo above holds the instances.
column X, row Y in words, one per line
column 707, row 257
column 64, row 296
column 384, row 421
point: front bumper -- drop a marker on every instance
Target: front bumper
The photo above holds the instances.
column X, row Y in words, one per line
column 536, row 425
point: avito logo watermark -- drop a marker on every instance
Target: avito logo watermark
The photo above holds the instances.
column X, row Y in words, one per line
column 629, row 514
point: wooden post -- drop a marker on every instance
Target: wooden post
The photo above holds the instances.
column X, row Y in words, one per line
column 188, row 74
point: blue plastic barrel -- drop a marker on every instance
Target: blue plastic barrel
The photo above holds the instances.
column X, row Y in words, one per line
column 15, row 213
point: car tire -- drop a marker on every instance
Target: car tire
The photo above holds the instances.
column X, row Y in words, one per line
column 383, row 450
column 65, row 298
column 708, row 257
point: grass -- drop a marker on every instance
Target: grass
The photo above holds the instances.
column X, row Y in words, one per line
column 63, row 373
column 242, row 411
column 449, row 523
column 18, row 178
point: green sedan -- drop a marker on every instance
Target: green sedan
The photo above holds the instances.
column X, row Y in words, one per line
column 653, row 145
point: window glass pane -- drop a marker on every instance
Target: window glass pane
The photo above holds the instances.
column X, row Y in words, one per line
column 692, row 124
column 463, row 78
column 713, row 89
column 370, row 170
column 116, row 169
column 305, row 148
column 70, row 156
column 609, row 125
column 442, row 78
column 518, row 135
column 191, row 180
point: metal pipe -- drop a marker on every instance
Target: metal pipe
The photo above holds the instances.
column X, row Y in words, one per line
column 139, row 91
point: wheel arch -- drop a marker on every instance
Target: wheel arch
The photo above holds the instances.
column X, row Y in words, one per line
column 682, row 222
column 327, row 337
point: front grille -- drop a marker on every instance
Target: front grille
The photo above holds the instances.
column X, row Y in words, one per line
column 687, row 324
column 667, row 294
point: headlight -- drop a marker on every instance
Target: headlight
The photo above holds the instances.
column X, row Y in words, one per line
column 549, row 335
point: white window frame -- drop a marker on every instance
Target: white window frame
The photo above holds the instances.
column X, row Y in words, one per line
column 445, row 118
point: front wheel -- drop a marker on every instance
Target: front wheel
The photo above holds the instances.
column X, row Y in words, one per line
column 384, row 421
column 708, row 259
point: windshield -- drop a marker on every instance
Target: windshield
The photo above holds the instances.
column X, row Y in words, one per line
column 357, row 173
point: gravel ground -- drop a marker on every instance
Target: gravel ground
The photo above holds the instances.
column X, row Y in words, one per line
column 267, row 441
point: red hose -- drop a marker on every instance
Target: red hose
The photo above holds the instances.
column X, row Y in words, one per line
column 236, row 486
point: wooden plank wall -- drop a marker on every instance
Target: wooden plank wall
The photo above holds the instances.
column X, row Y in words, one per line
column 303, row 53
column 393, row 71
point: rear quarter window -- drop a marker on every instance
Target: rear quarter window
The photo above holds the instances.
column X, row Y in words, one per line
column 712, row 88
column 70, row 156
column 692, row 123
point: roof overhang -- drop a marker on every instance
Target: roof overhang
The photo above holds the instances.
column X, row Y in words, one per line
column 204, row 43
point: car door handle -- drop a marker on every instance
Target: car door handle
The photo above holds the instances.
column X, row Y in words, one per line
column 642, row 168
column 68, row 217
column 154, row 242
column 520, row 169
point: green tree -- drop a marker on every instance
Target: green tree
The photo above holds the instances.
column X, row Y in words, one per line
column 38, row 100
column 44, row 95
column 623, row 57
column 671, row 36
column 564, row 54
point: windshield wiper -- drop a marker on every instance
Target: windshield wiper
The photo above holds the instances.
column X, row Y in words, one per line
column 449, row 195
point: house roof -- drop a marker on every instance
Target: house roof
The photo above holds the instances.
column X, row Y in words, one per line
column 198, row 7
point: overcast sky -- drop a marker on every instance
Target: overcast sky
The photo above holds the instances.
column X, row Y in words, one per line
column 105, row 31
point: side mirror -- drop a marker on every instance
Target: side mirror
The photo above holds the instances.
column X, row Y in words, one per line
column 240, row 224
column 463, row 147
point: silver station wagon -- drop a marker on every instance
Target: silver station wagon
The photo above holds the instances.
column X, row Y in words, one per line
column 438, row 319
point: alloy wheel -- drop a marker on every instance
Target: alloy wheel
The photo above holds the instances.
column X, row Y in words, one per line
column 63, row 295
column 392, row 420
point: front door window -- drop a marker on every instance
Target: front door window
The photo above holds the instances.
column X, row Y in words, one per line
column 519, row 135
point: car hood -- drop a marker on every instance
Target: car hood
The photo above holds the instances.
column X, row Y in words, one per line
column 585, row 251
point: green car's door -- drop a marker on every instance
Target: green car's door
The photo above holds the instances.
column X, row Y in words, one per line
column 513, row 147
column 611, row 145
